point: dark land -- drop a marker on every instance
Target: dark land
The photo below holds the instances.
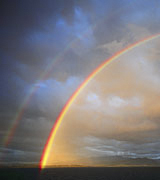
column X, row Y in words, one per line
column 81, row 173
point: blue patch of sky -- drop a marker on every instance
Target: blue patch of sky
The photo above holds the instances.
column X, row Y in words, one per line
column 51, row 89
column 82, row 28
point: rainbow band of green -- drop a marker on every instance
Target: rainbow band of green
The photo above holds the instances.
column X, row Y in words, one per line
column 56, row 125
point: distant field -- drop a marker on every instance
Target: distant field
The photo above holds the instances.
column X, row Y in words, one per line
column 81, row 173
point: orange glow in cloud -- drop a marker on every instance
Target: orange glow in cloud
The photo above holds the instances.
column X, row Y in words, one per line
column 50, row 140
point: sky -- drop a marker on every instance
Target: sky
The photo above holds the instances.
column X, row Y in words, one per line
column 47, row 49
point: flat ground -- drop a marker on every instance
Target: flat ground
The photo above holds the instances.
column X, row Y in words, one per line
column 121, row 173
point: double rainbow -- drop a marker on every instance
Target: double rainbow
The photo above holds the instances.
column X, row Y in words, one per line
column 57, row 123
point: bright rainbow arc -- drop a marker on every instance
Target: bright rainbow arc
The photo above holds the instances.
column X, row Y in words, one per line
column 57, row 123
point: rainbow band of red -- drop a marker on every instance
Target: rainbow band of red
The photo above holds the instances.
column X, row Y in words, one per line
column 57, row 123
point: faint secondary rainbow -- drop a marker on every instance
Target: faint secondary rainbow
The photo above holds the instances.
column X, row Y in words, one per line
column 34, row 88
column 57, row 123
column 27, row 99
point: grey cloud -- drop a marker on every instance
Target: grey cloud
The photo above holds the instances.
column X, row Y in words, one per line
column 15, row 156
column 112, row 147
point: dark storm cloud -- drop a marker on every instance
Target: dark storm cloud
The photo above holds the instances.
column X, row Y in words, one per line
column 32, row 35
column 22, row 17
column 19, row 20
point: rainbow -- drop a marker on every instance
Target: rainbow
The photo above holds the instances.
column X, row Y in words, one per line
column 47, row 148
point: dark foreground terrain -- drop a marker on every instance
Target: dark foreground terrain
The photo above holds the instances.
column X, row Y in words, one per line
column 116, row 173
